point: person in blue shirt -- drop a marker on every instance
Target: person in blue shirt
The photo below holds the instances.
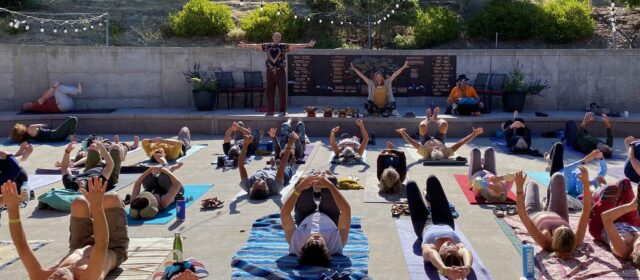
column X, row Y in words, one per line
column 571, row 171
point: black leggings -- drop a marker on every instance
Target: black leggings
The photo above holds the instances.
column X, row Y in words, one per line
column 68, row 127
column 557, row 158
column 440, row 211
column 306, row 205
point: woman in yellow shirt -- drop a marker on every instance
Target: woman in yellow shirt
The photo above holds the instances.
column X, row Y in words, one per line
column 380, row 94
column 162, row 150
column 464, row 99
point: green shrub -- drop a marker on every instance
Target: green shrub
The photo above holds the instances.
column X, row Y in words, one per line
column 15, row 4
column 325, row 5
column 435, row 26
column 202, row 18
column 566, row 21
column 260, row 25
column 512, row 19
column 405, row 41
column 329, row 42
column 236, row 35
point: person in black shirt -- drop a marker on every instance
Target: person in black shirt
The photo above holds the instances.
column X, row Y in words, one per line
column 391, row 169
column 109, row 172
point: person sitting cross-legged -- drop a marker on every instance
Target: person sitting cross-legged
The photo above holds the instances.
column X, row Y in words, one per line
column 269, row 180
column 154, row 190
column 391, row 169
column 464, row 99
column 98, row 238
column 348, row 150
column 316, row 232
column 109, row 171
column 441, row 245
column 380, row 100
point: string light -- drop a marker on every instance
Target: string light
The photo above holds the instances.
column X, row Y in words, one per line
column 55, row 30
column 26, row 27
column 75, row 30
column 41, row 30
column 278, row 13
column 295, row 16
column 21, row 19
column 241, row 3
column 65, row 31
column 332, row 22
column 261, row 7
column 320, row 21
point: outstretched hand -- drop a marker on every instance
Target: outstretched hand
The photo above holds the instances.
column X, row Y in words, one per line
column 335, row 129
column 248, row 139
column 519, row 179
column 10, row 195
column 359, row 123
column 584, row 178
column 478, row 130
column 69, row 147
column 588, row 117
column 293, row 137
column 606, row 121
column 272, row 132
column 311, row 43
column 95, row 194
column 406, row 64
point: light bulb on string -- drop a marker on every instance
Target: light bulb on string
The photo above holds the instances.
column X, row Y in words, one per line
column 295, row 16
column 393, row 11
column 332, row 22
column 320, row 21
column 84, row 28
column 388, row 15
column 75, row 30
column 241, row 3
column 41, row 30
column 26, row 27
column 91, row 26
column 397, row 6
column 17, row 25
column 65, row 31
column 24, row 21
column 11, row 24
column 341, row 22
column 278, row 13
column 261, row 7
column 308, row 19
column 55, row 30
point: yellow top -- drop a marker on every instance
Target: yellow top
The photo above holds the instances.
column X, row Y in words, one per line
column 380, row 97
column 172, row 152
column 456, row 94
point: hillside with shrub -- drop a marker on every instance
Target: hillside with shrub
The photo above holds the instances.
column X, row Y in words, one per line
column 401, row 24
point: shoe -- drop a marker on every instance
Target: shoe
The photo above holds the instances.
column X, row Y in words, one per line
column 282, row 114
column 395, row 113
column 547, row 158
column 268, row 114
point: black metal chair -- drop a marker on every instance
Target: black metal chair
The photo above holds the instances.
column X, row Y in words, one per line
column 494, row 87
column 227, row 85
column 253, row 83
column 481, row 81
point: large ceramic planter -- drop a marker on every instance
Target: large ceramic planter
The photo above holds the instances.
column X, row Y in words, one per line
column 513, row 101
column 204, row 100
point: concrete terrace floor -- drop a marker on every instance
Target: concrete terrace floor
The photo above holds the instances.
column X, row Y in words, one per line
column 214, row 236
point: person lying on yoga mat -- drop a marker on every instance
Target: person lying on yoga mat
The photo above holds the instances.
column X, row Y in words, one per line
column 316, row 232
column 348, row 150
column 571, row 172
column 281, row 141
column 98, row 241
column 380, row 99
column 517, row 136
column 269, row 180
column 237, row 130
column 109, row 171
column 434, row 148
column 587, row 142
column 463, row 99
column 39, row 132
column 10, row 169
column 614, row 220
column 162, row 150
column 441, row 245
column 391, row 169
column 484, row 178
column 81, row 155
column 549, row 225
column 632, row 164
column 56, row 99
column 159, row 190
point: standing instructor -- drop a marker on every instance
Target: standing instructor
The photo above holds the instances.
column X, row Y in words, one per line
column 276, row 63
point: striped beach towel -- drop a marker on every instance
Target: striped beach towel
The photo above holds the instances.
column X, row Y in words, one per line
column 266, row 254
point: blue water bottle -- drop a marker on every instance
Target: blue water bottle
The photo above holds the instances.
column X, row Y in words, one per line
column 180, row 207
column 528, row 261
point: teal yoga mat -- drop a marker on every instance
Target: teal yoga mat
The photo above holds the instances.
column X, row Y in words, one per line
column 542, row 178
column 194, row 149
column 168, row 214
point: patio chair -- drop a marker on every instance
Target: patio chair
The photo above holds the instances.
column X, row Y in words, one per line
column 227, row 85
column 253, row 84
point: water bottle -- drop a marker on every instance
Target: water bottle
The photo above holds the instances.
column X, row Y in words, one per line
column 180, row 207
column 528, row 261
column 25, row 190
column 177, row 248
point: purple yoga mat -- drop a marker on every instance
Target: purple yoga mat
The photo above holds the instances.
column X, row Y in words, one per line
column 616, row 172
column 308, row 151
column 412, row 250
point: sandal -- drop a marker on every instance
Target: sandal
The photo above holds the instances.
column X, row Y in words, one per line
column 211, row 203
column 498, row 211
column 512, row 210
column 398, row 210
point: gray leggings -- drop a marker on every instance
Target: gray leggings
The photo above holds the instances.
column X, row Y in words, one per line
column 556, row 198
column 477, row 168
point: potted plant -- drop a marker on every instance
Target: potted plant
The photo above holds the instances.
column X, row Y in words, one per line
column 203, row 87
column 516, row 90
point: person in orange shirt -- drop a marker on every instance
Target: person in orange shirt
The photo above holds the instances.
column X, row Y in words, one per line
column 464, row 99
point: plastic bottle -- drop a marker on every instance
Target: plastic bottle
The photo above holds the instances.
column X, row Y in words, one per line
column 528, row 261
column 27, row 196
column 177, row 248
column 180, row 208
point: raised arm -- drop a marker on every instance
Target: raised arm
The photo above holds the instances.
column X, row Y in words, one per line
column 607, row 124
column 360, row 74
column 535, row 233
column 474, row 134
column 248, row 139
column 403, row 133
column 288, row 224
column 27, row 257
column 95, row 196
column 618, row 245
column 243, row 45
column 310, row 44
column 365, row 137
column 176, row 185
column 108, row 161
column 138, row 183
column 344, row 221
column 399, row 71
column 227, row 134
column 586, row 208
column 274, row 139
column 65, row 164
column 334, row 144
column 588, row 118
column 284, row 161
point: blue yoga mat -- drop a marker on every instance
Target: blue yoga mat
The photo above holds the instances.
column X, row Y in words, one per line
column 266, row 254
column 194, row 149
column 542, row 178
column 418, row 269
column 500, row 144
column 169, row 213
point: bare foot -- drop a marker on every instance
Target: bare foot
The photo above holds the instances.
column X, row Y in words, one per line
column 515, row 114
column 27, row 152
column 79, row 88
column 401, row 130
column 429, row 113
column 23, row 147
column 390, row 145
column 176, row 167
column 136, row 142
column 436, row 111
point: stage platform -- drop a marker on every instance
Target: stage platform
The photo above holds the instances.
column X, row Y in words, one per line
column 169, row 121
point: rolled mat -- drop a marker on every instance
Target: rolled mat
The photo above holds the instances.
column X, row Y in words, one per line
column 192, row 192
column 418, row 269
column 266, row 254
column 463, row 183
column 590, row 260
